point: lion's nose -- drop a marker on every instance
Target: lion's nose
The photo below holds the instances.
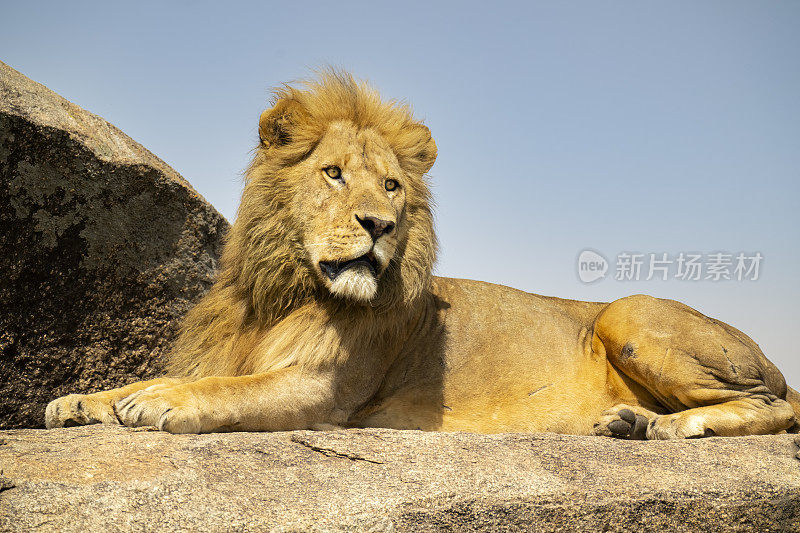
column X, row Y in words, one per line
column 376, row 226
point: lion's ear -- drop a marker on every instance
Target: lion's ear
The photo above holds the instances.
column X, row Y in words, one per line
column 421, row 150
column 275, row 125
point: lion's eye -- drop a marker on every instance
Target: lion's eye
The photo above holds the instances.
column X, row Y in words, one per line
column 333, row 173
column 391, row 185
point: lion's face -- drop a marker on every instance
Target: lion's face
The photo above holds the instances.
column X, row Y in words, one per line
column 354, row 191
column 336, row 202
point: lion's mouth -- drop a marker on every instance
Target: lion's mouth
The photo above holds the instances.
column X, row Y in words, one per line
column 333, row 269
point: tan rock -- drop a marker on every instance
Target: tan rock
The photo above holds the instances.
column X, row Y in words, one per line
column 103, row 478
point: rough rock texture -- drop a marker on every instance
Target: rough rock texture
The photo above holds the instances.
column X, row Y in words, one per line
column 102, row 248
column 111, row 478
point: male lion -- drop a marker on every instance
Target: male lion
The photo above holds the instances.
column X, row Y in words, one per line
column 325, row 314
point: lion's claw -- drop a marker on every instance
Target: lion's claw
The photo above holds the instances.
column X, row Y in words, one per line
column 164, row 406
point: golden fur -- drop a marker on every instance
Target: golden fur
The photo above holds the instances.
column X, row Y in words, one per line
column 325, row 313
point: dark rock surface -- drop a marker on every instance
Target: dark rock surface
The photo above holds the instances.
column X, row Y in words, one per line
column 112, row 478
column 103, row 248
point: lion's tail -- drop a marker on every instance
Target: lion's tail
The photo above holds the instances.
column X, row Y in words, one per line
column 793, row 397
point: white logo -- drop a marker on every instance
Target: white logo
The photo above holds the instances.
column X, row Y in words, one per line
column 662, row 266
column 591, row 266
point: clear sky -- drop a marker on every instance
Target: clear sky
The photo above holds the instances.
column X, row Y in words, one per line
column 660, row 127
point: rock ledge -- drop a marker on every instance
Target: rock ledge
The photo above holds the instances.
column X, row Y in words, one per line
column 114, row 478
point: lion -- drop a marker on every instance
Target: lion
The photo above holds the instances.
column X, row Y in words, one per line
column 325, row 314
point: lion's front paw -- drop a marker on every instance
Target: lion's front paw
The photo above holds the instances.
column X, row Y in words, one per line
column 168, row 407
column 626, row 422
column 79, row 410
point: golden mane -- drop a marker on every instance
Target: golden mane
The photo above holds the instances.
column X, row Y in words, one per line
column 265, row 273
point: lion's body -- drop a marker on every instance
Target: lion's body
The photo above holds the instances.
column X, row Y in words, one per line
column 493, row 359
column 325, row 313
column 487, row 358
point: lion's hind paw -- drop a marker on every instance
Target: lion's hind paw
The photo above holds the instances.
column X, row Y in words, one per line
column 625, row 422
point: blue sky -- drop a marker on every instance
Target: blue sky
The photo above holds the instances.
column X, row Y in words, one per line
column 616, row 126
